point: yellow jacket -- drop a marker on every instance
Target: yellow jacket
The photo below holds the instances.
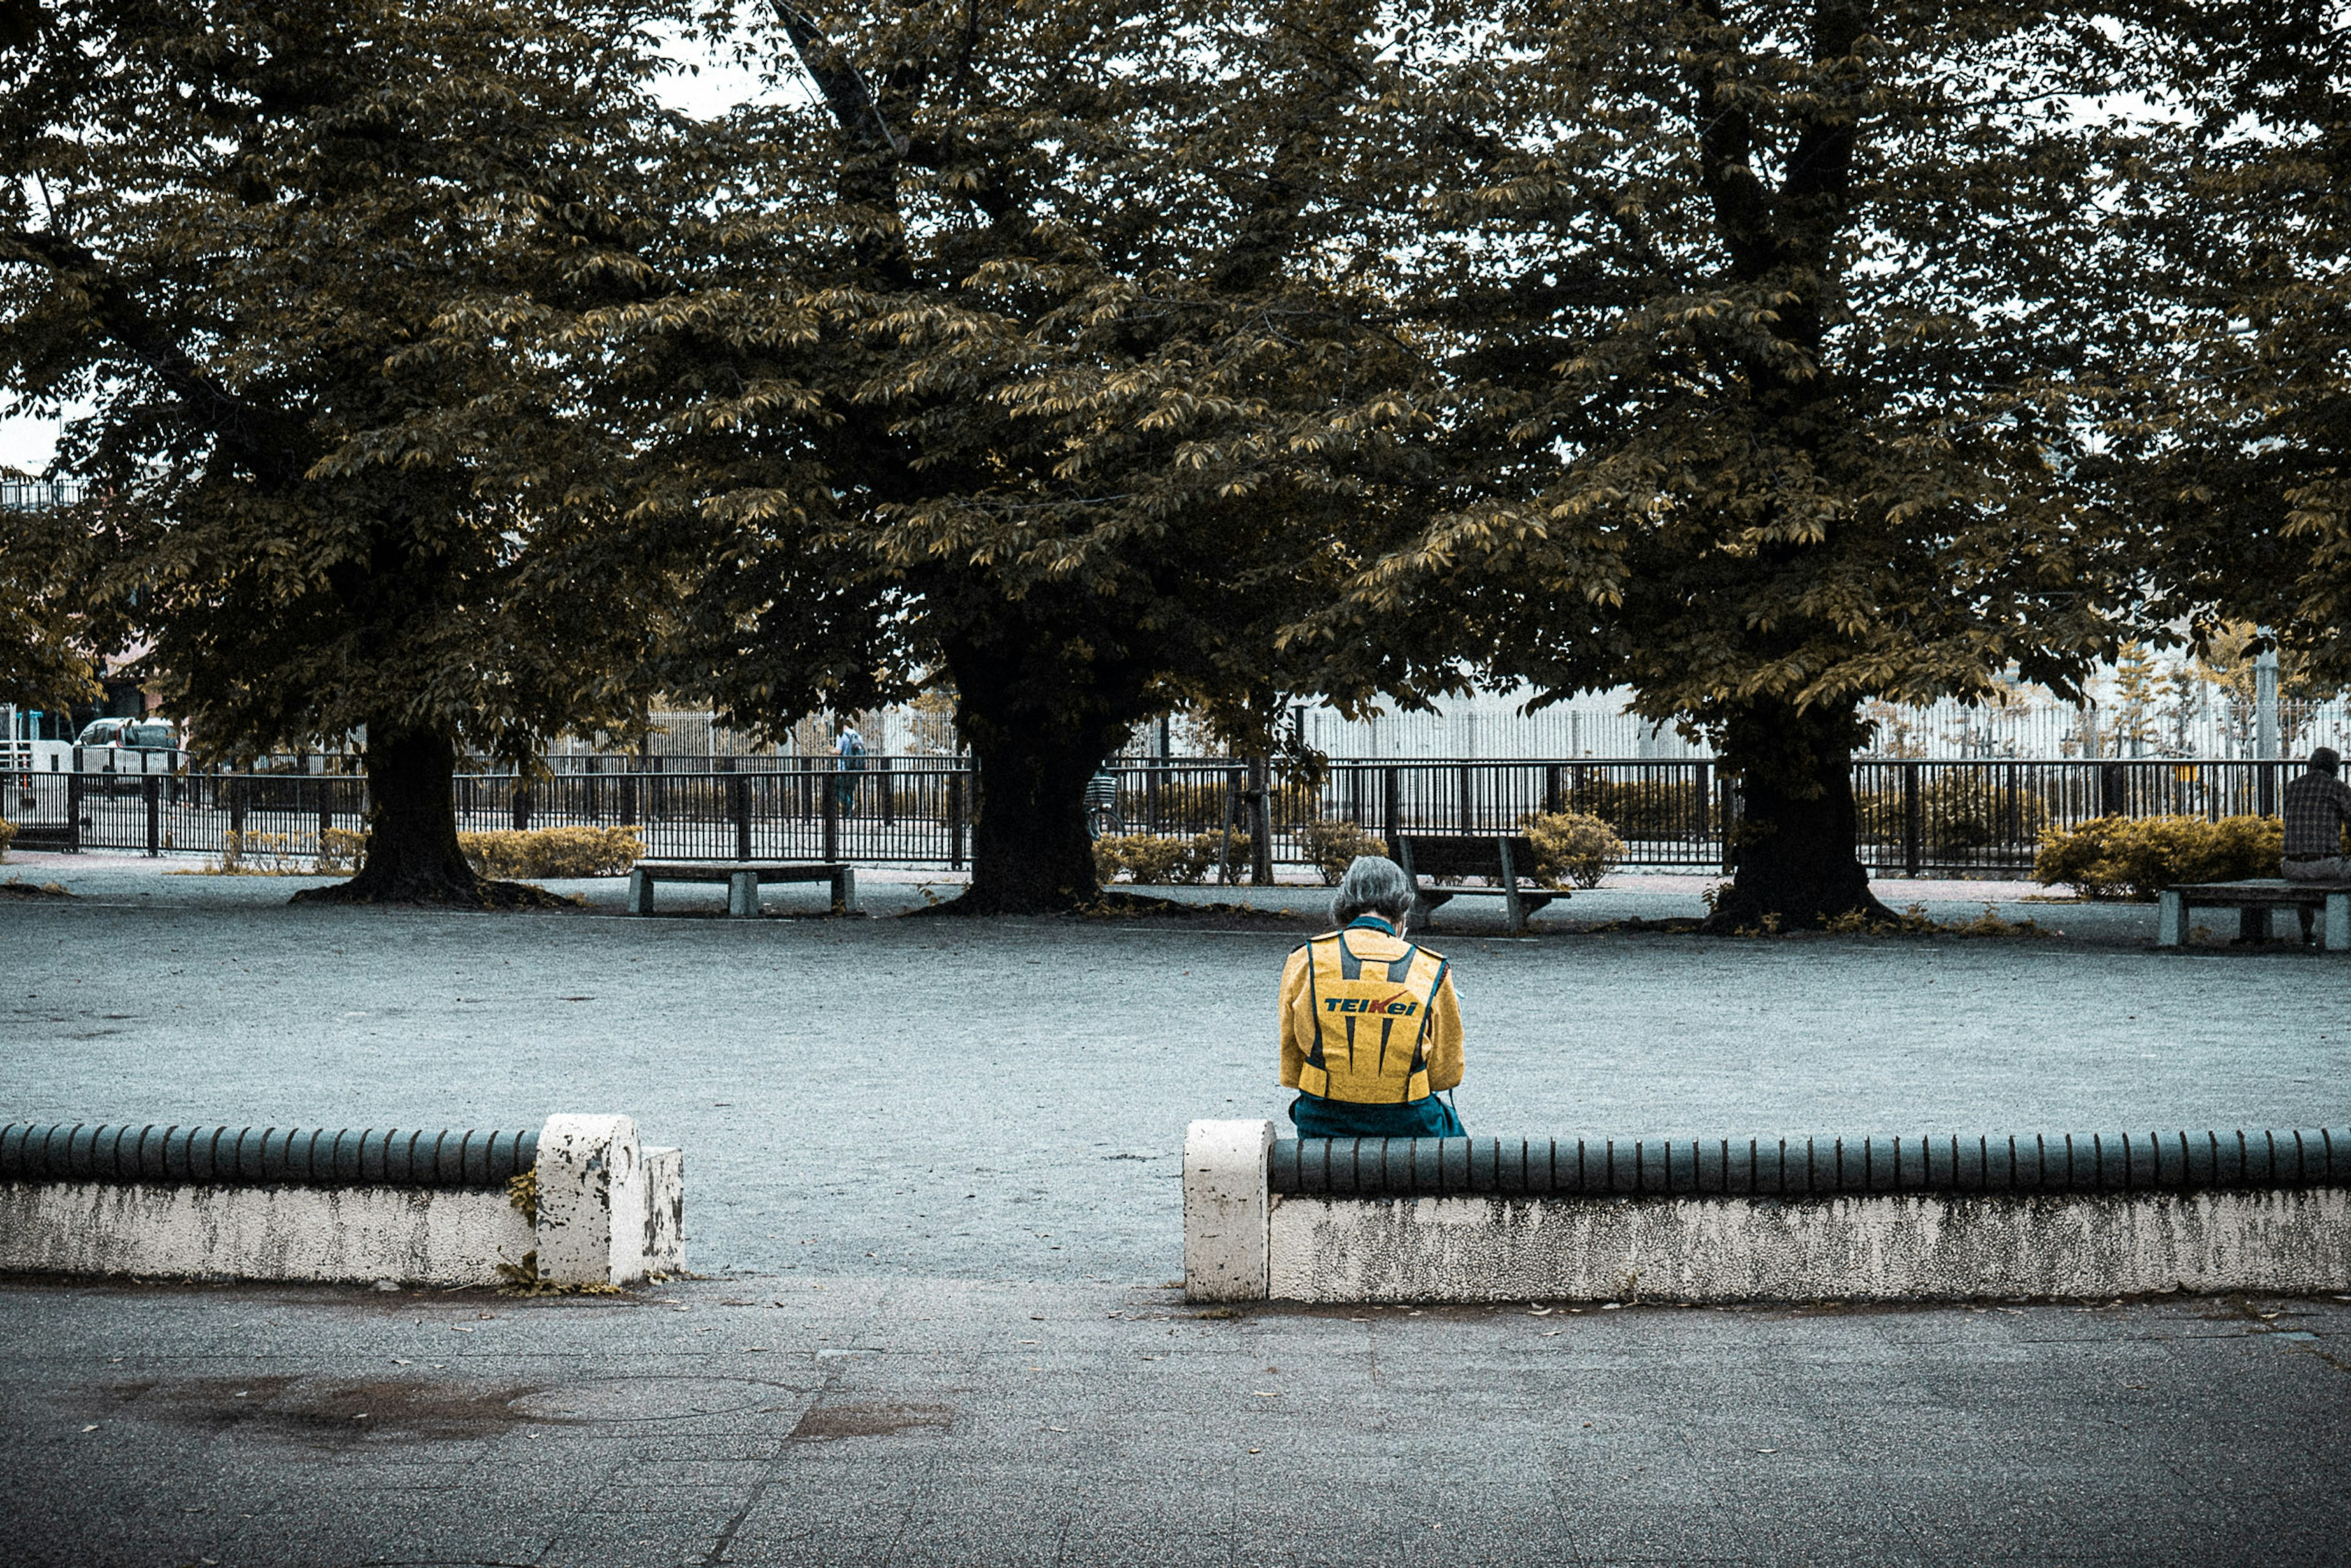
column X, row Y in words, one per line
column 1369, row 1018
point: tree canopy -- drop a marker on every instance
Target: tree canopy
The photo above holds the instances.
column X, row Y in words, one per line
column 1774, row 333
column 262, row 244
column 1042, row 355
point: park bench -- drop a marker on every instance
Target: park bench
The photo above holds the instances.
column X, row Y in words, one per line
column 1495, row 855
column 2253, row 900
column 743, row 880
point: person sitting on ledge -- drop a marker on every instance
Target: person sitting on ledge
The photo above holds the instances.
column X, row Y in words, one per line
column 1370, row 1027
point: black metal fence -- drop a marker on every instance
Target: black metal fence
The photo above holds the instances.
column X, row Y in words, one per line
column 1915, row 817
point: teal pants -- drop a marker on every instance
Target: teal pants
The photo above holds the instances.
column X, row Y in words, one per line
column 1425, row 1118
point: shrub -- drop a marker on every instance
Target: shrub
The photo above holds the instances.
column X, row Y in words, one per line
column 341, row 850
column 7, row 836
column 259, row 855
column 552, row 851
column 2139, row 857
column 1153, row 858
column 1332, row 844
column 1144, row 857
column 1571, row 846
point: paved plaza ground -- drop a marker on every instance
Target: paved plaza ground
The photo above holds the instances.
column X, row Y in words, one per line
column 932, row 1180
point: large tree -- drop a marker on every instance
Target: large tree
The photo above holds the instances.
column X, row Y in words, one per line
column 278, row 251
column 1040, row 354
column 1773, row 329
column 2236, row 445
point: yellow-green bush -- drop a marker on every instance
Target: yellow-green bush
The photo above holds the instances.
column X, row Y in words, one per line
column 1572, row 846
column 7, row 836
column 1144, row 857
column 260, row 854
column 2139, row 857
column 552, row 851
column 1150, row 858
column 1332, row 845
column 341, row 850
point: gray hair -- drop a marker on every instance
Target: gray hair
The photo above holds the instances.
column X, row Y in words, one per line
column 1374, row 884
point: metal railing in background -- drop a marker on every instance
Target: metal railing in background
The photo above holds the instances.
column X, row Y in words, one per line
column 1913, row 817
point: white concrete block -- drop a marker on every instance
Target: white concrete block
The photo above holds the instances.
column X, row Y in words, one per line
column 1225, row 1210
column 664, row 1244
column 1858, row 1247
column 592, row 1201
column 420, row 1235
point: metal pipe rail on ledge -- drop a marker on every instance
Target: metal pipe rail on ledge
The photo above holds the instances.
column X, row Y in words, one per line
column 1807, row 1167
column 284, row 1202
column 260, row 1156
column 1937, row 1217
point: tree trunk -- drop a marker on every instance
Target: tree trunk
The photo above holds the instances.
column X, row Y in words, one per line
column 1029, row 851
column 412, row 852
column 1797, row 868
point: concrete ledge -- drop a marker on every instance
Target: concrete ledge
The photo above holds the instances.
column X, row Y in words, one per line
column 290, row 1204
column 1713, row 1220
column 1772, row 1250
column 184, row 1232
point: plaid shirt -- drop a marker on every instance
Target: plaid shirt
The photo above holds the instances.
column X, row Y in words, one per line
column 2317, row 810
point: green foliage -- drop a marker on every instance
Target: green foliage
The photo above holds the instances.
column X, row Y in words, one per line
column 1145, row 858
column 1779, row 326
column 1039, row 353
column 552, row 851
column 1572, row 846
column 2139, row 857
column 7, row 836
column 2231, row 440
column 296, row 261
column 1332, row 845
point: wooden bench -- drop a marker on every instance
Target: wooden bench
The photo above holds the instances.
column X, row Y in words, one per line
column 2253, row 901
column 1497, row 855
column 743, row 880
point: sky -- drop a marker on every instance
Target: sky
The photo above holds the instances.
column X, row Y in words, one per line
column 703, row 84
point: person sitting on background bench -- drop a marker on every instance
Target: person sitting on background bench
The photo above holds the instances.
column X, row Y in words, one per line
column 1371, row 1030
column 2317, row 810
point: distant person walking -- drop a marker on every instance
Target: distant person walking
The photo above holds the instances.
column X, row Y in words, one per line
column 1371, row 1030
column 848, row 761
column 2317, row 810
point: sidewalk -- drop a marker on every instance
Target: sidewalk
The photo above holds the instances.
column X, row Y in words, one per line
column 861, row 1422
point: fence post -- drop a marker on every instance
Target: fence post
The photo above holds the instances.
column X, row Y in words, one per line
column 740, row 787
column 628, row 800
column 1260, row 821
column 1551, row 788
column 2111, row 787
column 1725, row 799
column 152, row 788
column 889, row 797
column 1910, row 834
column 955, row 822
column 1467, row 821
column 236, row 786
column 831, row 820
column 1391, row 811
column 521, row 808
column 1225, row 832
column 2265, row 799
column 73, row 806
column 1701, row 797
